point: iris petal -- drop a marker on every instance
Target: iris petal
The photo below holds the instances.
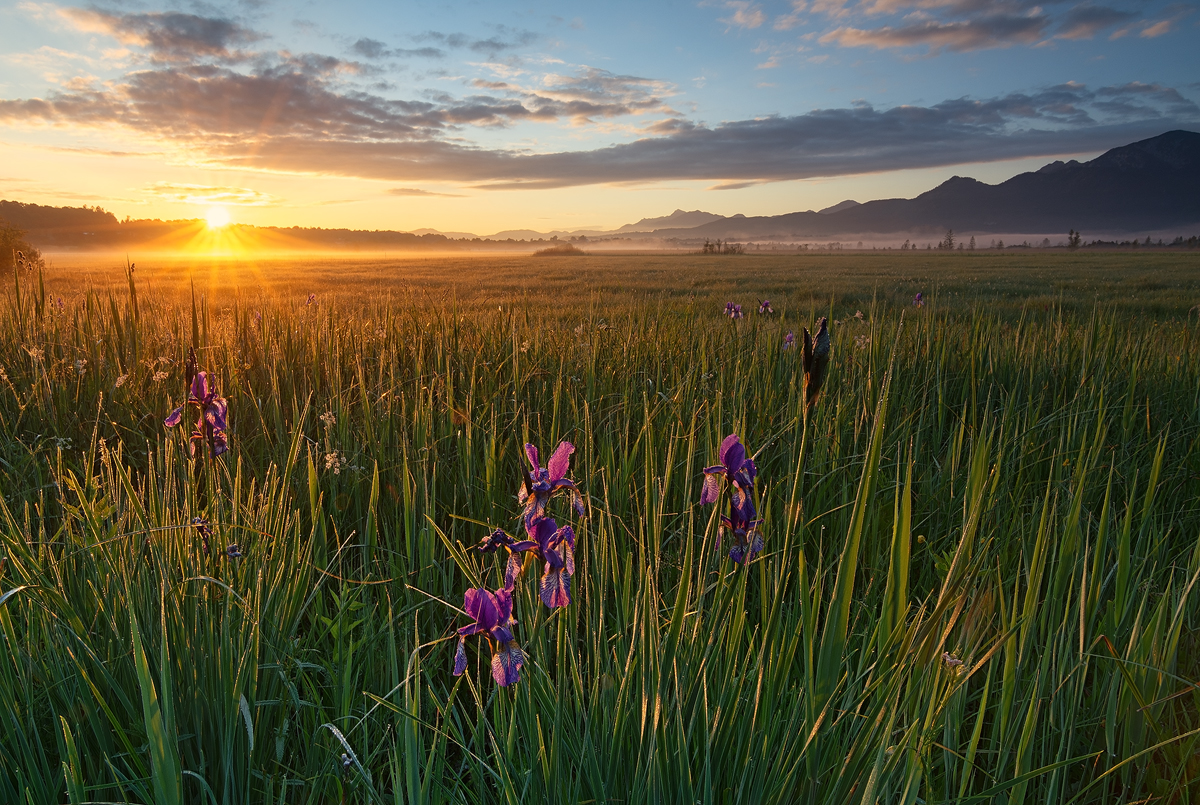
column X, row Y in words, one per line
column 200, row 385
column 460, row 657
column 568, row 552
column 560, row 461
column 735, row 456
column 472, row 600
column 506, row 665
column 728, row 445
column 174, row 418
column 512, row 570
column 556, row 588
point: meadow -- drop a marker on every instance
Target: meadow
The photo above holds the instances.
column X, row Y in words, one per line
column 981, row 543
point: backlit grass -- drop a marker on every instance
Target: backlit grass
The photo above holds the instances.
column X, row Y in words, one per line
column 1008, row 476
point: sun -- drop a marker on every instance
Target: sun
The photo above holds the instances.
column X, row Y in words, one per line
column 217, row 217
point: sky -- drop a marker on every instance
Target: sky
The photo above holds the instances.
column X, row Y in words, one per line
column 487, row 116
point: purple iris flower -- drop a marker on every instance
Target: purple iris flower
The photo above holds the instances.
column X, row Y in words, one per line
column 554, row 546
column 736, row 312
column 493, row 619
column 312, row 297
column 541, row 483
column 742, row 523
column 747, row 541
column 729, row 309
column 918, row 300
column 212, row 421
column 764, row 307
column 735, row 467
column 789, row 340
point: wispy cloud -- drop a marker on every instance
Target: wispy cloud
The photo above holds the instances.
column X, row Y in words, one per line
column 209, row 194
column 367, row 48
column 937, row 26
column 505, row 40
column 746, row 14
column 415, row 191
column 1085, row 21
column 978, row 34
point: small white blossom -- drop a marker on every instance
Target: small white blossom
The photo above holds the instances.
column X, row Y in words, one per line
column 335, row 462
column 120, row 381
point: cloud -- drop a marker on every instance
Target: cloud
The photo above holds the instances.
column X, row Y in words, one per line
column 170, row 36
column 977, row 34
column 506, row 39
column 1064, row 119
column 746, row 14
column 208, row 194
column 1085, row 21
column 786, row 22
column 375, row 50
column 939, row 26
column 735, row 185
column 370, row 49
column 1136, row 100
column 413, row 191
column 1177, row 11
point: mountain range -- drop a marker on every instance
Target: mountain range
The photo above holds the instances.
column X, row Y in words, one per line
column 1153, row 184
column 1150, row 185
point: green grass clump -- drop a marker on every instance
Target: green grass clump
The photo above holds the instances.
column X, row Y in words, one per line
column 979, row 580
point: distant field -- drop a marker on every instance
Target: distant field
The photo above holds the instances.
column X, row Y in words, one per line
column 980, row 578
column 1166, row 284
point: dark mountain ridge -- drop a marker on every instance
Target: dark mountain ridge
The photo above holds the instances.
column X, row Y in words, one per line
column 1147, row 185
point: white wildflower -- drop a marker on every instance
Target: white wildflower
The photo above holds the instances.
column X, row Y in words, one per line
column 120, row 381
column 336, row 462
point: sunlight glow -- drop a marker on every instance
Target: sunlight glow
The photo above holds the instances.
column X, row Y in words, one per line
column 217, row 217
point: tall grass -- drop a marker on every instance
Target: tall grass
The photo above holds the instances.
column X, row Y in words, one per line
column 1015, row 492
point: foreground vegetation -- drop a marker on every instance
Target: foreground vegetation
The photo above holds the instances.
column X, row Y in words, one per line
column 978, row 582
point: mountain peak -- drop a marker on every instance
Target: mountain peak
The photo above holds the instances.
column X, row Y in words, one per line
column 680, row 219
column 841, row 205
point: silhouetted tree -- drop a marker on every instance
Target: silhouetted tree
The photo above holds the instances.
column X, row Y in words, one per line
column 1074, row 239
column 15, row 250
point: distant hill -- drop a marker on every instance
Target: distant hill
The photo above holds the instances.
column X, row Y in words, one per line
column 676, row 220
column 844, row 205
column 1148, row 185
column 59, row 226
